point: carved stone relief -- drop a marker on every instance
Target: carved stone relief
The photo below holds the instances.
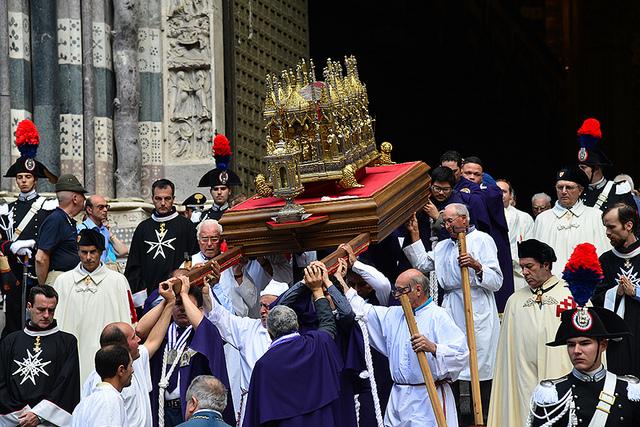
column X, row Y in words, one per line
column 188, row 78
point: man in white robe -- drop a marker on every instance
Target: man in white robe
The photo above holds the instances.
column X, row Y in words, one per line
column 485, row 278
column 91, row 296
column 236, row 291
column 104, row 407
column 531, row 319
column 520, row 228
column 570, row 222
column 442, row 341
column 249, row 336
column 151, row 328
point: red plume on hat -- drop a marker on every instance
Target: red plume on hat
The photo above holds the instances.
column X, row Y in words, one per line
column 221, row 151
column 583, row 273
column 589, row 134
column 27, row 138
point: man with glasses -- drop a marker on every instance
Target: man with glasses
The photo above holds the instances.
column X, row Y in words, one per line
column 97, row 209
column 439, row 337
column 485, row 279
column 540, row 202
column 570, row 222
column 236, row 291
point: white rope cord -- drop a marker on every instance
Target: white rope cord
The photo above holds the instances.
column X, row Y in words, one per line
column 164, row 378
column 356, row 399
column 369, row 361
column 433, row 286
column 563, row 405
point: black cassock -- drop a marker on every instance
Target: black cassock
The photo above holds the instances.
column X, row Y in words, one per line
column 158, row 247
column 623, row 357
column 39, row 368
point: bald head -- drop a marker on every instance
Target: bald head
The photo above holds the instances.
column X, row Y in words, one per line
column 114, row 334
column 418, row 284
column 121, row 333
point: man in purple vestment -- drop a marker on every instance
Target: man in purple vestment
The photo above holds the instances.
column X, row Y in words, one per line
column 472, row 170
column 297, row 381
column 193, row 346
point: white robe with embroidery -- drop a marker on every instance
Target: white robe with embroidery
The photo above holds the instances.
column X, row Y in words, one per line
column 523, row 359
column 87, row 303
column 409, row 405
column 564, row 229
column 444, row 258
column 520, row 228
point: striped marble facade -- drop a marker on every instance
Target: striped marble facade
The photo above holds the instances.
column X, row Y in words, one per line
column 19, row 34
column 151, row 98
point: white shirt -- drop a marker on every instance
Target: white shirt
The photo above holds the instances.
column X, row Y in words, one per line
column 136, row 397
column 564, row 229
column 375, row 279
column 520, row 228
column 444, row 258
column 389, row 334
column 247, row 335
column 104, row 407
column 241, row 297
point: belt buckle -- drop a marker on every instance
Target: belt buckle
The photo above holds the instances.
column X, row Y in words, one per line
column 607, row 398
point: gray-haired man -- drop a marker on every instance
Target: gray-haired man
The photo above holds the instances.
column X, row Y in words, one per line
column 206, row 399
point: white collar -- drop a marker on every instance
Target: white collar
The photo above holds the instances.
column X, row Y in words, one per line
column 598, row 184
column 28, row 195
column 577, row 209
column 164, row 218
column 97, row 275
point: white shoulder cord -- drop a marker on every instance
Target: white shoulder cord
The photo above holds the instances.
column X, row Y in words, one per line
column 369, row 361
column 164, row 376
column 564, row 405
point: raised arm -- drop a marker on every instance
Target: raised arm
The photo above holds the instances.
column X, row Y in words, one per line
column 313, row 280
column 163, row 318
column 194, row 313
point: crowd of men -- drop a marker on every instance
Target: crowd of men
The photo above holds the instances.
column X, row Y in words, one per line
column 278, row 341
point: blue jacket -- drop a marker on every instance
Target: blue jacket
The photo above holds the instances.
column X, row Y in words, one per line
column 205, row 418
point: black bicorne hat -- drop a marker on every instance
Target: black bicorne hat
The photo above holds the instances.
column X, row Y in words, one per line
column 221, row 175
column 591, row 322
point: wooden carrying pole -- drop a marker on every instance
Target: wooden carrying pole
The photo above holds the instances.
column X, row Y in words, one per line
column 471, row 335
column 196, row 275
column 359, row 244
column 424, row 365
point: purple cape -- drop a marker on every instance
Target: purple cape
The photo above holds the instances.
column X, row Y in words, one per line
column 296, row 383
column 487, row 208
column 209, row 360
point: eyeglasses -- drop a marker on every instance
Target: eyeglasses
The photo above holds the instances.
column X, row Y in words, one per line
column 100, row 207
column 539, row 208
column 438, row 189
column 566, row 187
column 212, row 239
column 401, row 291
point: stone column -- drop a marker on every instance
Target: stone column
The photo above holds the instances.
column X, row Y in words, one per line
column 5, row 100
column 19, row 63
column 45, row 84
column 69, row 91
column 104, row 93
column 151, row 100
